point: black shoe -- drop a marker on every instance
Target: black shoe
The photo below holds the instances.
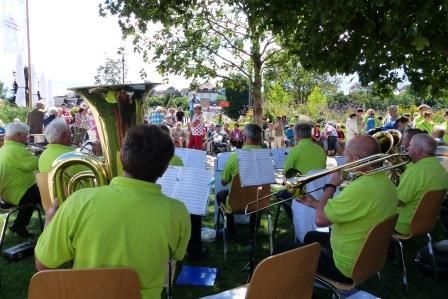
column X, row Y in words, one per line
column 196, row 257
column 21, row 231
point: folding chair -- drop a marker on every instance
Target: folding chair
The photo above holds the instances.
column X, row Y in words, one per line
column 239, row 198
column 9, row 210
column 112, row 283
column 288, row 275
column 42, row 184
column 423, row 222
column 371, row 258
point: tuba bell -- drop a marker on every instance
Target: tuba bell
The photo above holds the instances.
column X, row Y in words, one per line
column 115, row 108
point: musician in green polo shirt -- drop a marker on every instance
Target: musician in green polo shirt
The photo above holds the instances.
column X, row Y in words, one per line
column 252, row 136
column 423, row 175
column 361, row 205
column 134, row 224
column 305, row 156
column 17, row 182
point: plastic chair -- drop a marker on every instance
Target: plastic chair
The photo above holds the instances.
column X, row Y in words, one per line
column 9, row 210
column 239, row 198
column 288, row 275
column 423, row 222
column 42, row 184
column 112, row 283
column 371, row 258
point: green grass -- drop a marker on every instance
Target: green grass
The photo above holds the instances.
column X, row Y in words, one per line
column 15, row 276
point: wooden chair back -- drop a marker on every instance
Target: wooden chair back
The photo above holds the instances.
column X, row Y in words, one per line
column 112, row 283
column 42, row 184
column 286, row 275
column 373, row 254
column 425, row 215
column 240, row 197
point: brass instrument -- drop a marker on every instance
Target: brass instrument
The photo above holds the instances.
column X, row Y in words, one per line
column 115, row 109
column 349, row 171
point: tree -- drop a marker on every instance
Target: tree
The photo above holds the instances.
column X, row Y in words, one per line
column 373, row 38
column 111, row 72
column 317, row 103
column 203, row 38
column 237, row 94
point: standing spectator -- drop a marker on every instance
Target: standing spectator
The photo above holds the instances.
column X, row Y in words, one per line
column 65, row 114
column 187, row 132
column 170, row 117
column 340, row 146
column 236, row 137
column 180, row 114
column 315, row 133
column 194, row 100
column 332, row 137
column 52, row 115
column 157, row 117
column 391, row 118
column 278, row 133
column 285, row 121
column 80, row 126
column 269, row 135
column 370, row 120
column 178, row 135
column 359, row 121
column 197, row 129
column 354, row 125
column 36, row 119
column 289, row 133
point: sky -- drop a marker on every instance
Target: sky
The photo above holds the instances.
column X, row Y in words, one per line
column 69, row 40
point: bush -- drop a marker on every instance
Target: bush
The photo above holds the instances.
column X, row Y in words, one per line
column 8, row 112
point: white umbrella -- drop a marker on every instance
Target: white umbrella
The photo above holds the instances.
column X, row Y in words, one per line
column 20, row 80
column 50, row 99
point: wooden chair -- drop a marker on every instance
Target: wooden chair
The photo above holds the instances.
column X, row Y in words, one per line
column 239, row 198
column 423, row 222
column 371, row 258
column 288, row 275
column 113, row 283
column 42, row 183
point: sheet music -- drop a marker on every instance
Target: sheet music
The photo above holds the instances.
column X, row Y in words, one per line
column 255, row 167
column 222, row 159
column 189, row 185
column 192, row 157
column 279, row 156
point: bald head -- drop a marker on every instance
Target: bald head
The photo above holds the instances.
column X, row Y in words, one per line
column 422, row 146
column 361, row 147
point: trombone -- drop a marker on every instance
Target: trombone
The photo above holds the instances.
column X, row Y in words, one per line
column 349, row 171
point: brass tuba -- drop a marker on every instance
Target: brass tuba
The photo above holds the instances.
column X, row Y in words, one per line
column 115, row 109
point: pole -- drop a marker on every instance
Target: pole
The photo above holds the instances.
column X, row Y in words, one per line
column 122, row 61
column 30, row 85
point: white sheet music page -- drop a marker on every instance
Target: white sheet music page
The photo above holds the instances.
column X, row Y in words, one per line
column 194, row 189
column 169, row 181
column 255, row 167
column 279, row 156
column 192, row 157
column 222, row 159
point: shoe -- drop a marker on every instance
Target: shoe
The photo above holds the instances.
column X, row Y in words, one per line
column 21, row 231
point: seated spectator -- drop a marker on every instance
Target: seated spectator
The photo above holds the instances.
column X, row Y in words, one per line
column 438, row 132
column 236, row 136
column 178, row 135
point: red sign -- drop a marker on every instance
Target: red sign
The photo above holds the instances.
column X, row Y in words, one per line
column 223, row 104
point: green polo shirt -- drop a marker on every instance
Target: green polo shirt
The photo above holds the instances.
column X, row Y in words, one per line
column 129, row 223
column 306, row 156
column 361, row 205
column 50, row 154
column 176, row 161
column 425, row 126
column 231, row 168
column 17, row 167
column 425, row 175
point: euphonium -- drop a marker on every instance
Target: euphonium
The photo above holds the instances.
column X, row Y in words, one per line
column 115, row 109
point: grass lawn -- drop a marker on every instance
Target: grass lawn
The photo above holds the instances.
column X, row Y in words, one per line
column 15, row 276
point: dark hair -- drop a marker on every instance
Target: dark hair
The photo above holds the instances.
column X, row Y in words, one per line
column 303, row 130
column 253, row 132
column 359, row 110
column 146, row 152
column 402, row 120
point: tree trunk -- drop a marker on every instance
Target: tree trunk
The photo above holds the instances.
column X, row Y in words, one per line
column 256, row 93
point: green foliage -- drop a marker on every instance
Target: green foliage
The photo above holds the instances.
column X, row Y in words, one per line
column 316, row 104
column 237, row 94
column 168, row 102
column 111, row 72
column 8, row 112
column 276, row 94
column 371, row 38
